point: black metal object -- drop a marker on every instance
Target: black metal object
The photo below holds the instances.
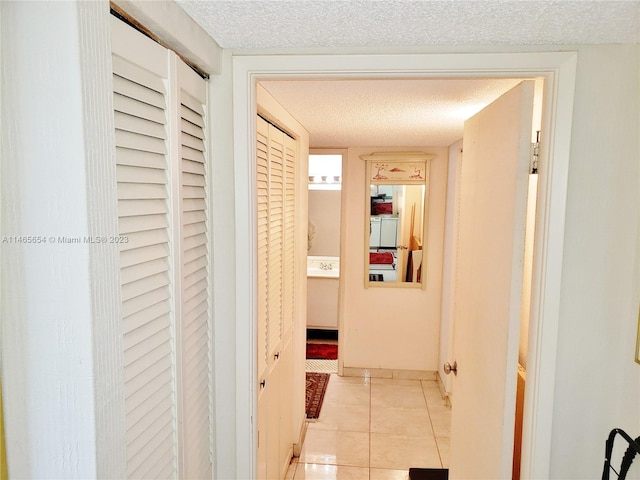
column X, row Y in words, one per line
column 429, row 474
column 627, row 459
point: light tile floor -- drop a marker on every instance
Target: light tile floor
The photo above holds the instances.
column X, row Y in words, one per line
column 375, row 429
column 325, row 366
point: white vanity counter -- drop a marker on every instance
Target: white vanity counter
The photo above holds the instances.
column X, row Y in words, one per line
column 323, row 267
column 322, row 292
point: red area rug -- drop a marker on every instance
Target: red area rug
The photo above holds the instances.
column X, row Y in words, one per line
column 322, row 351
column 315, row 390
column 380, row 258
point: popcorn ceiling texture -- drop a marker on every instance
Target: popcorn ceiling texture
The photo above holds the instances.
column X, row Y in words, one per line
column 402, row 112
column 395, row 23
column 399, row 112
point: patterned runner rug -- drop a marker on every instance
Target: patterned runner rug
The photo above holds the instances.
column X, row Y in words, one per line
column 315, row 390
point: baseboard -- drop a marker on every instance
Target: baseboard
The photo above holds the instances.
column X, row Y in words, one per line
column 389, row 373
column 443, row 391
column 297, row 447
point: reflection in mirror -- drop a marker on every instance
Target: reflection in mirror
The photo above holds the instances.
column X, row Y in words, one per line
column 395, row 213
column 395, row 238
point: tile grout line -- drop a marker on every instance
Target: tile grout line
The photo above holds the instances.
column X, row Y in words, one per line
column 424, row 395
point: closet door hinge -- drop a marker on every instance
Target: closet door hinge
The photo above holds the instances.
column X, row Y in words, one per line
column 535, row 152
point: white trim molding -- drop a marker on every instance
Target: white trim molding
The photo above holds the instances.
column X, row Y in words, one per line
column 170, row 23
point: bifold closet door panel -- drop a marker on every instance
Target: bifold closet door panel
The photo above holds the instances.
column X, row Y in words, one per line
column 194, row 277
column 289, row 231
column 140, row 76
column 262, row 232
column 275, row 284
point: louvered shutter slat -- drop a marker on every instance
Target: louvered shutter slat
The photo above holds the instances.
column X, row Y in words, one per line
column 142, row 302
column 154, row 340
column 195, row 252
column 192, row 204
column 131, row 174
column 195, row 277
column 145, row 391
column 145, row 409
column 191, row 129
column 192, row 109
column 133, row 124
column 139, row 334
column 138, row 320
column 138, row 92
column 129, row 208
column 142, row 222
column 136, row 257
column 139, row 158
column 193, row 167
column 135, row 141
column 143, row 459
column 192, row 142
column 130, row 106
column 145, row 238
column 144, row 284
column 194, row 241
column 126, row 69
column 141, row 423
column 194, row 217
column 139, row 365
column 139, row 191
column 142, row 270
column 193, row 155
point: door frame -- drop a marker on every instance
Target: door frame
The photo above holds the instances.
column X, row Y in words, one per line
column 559, row 71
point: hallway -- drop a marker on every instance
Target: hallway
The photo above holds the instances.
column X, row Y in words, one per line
column 376, row 429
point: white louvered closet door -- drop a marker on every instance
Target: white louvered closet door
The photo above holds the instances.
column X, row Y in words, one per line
column 194, row 265
column 275, row 176
column 140, row 104
column 275, row 226
column 276, row 239
column 262, row 173
column 161, row 166
column 288, row 297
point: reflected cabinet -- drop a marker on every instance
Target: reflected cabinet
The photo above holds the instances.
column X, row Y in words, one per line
column 396, row 194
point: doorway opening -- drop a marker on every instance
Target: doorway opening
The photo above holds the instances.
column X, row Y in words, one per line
column 324, row 216
column 324, row 220
column 558, row 69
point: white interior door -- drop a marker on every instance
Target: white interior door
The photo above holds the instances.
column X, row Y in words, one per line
column 489, row 285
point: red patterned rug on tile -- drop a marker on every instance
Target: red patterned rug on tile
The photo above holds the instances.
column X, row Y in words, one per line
column 315, row 390
column 322, row 351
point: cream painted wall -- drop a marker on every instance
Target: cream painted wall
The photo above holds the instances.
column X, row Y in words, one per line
column 597, row 380
column 324, row 213
column 392, row 328
column 60, row 303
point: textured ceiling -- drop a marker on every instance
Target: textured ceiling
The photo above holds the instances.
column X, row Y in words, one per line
column 403, row 112
column 247, row 24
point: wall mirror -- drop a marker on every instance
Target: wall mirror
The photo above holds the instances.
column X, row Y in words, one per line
column 396, row 218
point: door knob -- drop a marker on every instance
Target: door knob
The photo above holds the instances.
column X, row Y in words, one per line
column 448, row 368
